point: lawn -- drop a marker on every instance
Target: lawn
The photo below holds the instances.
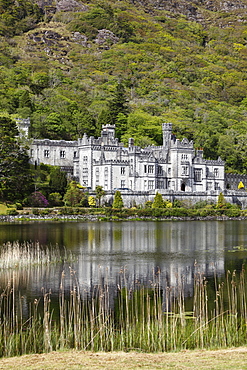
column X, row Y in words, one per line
column 232, row 358
column 3, row 209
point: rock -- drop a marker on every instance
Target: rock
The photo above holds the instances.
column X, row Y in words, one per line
column 80, row 39
column 195, row 10
column 70, row 6
column 106, row 37
column 62, row 5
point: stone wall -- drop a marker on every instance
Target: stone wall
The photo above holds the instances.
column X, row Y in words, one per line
column 233, row 179
column 137, row 198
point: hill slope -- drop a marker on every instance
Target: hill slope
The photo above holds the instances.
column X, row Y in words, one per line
column 72, row 66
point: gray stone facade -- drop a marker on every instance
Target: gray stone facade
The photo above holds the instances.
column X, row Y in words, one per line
column 173, row 167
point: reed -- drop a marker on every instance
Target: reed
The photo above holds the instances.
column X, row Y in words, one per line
column 18, row 255
column 137, row 317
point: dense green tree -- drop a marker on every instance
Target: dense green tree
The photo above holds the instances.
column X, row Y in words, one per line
column 83, row 122
column 119, row 105
column 105, row 118
column 54, row 127
column 15, row 176
column 144, row 128
column 39, row 82
column 100, row 193
column 58, row 181
column 118, row 200
column 75, row 195
column 18, row 16
column 55, row 199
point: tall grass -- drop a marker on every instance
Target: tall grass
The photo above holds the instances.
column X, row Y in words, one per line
column 136, row 317
column 18, row 255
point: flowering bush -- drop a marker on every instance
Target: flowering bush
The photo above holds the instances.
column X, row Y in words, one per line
column 37, row 199
column 91, row 201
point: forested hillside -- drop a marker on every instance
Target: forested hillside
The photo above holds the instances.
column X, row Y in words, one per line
column 73, row 65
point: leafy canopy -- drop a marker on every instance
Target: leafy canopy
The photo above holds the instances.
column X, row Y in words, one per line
column 15, row 176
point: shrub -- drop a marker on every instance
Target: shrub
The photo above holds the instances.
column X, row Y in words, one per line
column 91, row 201
column 167, row 204
column 148, row 204
column 66, row 211
column 44, row 212
column 12, row 212
column 118, row 200
column 179, row 212
column 55, row 199
column 75, row 196
column 200, row 204
column 145, row 212
column 177, row 203
column 79, row 211
column 232, row 212
column 37, row 199
column 158, row 201
column 18, row 206
column 221, row 201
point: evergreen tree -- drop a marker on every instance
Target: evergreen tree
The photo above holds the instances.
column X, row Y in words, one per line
column 58, row 181
column 158, row 201
column 221, row 201
column 15, row 176
column 118, row 200
column 116, row 112
column 119, row 103
column 105, row 118
column 121, row 124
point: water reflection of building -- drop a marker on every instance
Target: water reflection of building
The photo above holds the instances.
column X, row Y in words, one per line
column 131, row 251
column 142, row 248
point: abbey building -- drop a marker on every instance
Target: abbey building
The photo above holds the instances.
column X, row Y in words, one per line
column 104, row 161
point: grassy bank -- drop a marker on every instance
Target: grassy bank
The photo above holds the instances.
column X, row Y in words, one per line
column 111, row 214
column 234, row 358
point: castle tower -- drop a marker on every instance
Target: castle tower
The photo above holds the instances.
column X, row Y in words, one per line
column 23, row 126
column 167, row 134
column 108, row 131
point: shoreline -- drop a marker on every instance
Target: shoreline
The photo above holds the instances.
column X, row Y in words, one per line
column 102, row 218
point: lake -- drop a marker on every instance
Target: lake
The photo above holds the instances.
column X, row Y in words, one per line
column 135, row 251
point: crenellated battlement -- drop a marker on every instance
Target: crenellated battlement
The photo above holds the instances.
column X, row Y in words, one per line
column 54, row 143
column 104, row 161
